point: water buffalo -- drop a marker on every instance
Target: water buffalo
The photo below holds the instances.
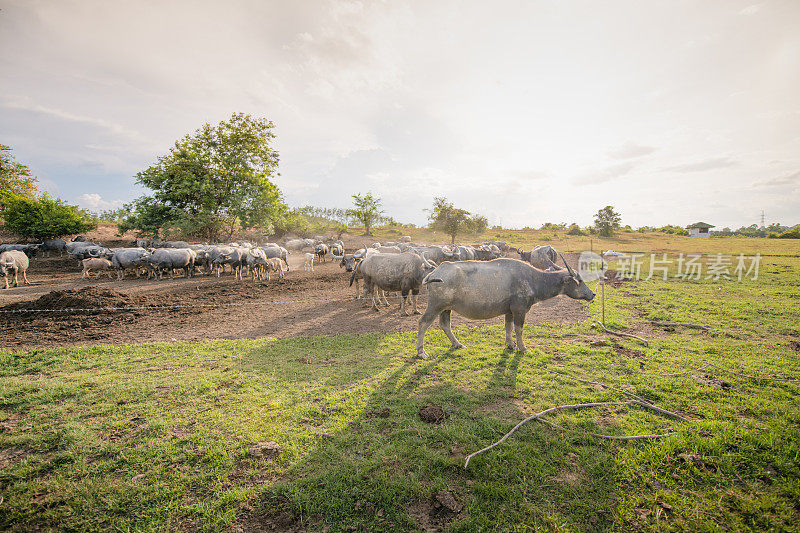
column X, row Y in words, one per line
column 437, row 254
column 274, row 264
column 256, row 261
column 321, row 250
column 337, row 250
column 465, row 253
column 480, row 290
column 96, row 263
column 169, row 259
column 234, row 256
column 308, row 263
column 394, row 272
column 542, row 257
column 54, row 245
column 125, row 258
column 279, row 252
column 29, row 250
column 14, row 262
column 294, row 244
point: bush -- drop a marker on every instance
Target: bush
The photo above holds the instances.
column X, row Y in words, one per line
column 293, row 222
column 43, row 217
column 793, row 233
column 575, row 229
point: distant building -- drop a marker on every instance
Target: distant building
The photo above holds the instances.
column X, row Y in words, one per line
column 699, row 229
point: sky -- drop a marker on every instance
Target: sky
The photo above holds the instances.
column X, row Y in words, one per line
column 525, row 112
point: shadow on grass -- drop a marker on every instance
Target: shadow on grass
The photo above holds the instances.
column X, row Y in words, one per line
column 385, row 469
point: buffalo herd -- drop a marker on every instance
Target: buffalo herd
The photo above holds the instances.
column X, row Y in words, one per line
column 476, row 281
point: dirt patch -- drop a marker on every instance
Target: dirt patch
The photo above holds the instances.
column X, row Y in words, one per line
column 628, row 352
column 12, row 456
column 794, row 345
column 275, row 513
column 613, row 278
column 432, row 414
column 711, row 381
column 436, row 513
column 378, row 413
column 206, row 307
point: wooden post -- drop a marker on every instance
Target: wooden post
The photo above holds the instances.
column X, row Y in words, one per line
column 603, row 289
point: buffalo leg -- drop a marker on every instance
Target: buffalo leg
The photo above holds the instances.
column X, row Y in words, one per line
column 444, row 322
column 509, row 323
column 425, row 322
column 415, row 293
column 519, row 322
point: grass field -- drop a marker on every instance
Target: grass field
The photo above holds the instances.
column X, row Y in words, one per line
column 156, row 436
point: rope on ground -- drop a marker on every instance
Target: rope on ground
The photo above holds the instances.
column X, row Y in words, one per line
column 538, row 417
column 619, row 334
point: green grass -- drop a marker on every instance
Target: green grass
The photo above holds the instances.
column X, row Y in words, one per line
column 155, row 436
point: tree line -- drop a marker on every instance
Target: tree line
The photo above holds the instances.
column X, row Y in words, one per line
column 219, row 179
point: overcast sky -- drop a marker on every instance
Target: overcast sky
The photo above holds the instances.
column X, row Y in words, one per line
column 526, row 112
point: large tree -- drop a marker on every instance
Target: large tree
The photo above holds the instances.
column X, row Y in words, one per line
column 607, row 221
column 211, row 181
column 367, row 210
column 453, row 221
column 14, row 176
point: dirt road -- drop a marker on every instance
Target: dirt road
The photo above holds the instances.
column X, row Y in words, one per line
column 310, row 303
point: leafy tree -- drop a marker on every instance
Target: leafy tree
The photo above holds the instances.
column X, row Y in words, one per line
column 42, row 217
column 14, row 176
column 367, row 210
column 575, row 229
column 212, row 180
column 606, row 221
column 452, row 221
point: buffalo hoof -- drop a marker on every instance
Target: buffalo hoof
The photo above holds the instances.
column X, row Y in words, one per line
column 510, row 347
column 422, row 355
column 458, row 346
column 524, row 351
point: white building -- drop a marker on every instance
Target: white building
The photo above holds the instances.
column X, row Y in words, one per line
column 699, row 229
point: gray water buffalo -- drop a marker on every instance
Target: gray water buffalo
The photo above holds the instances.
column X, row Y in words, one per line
column 279, row 252
column 294, row 244
column 14, row 262
column 437, row 254
column 29, row 250
column 169, row 259
column 125, row 258
column 542, row 257
column 337, row 250
column 236, row 257
column 481, row 290
column 465, row 253
column 321, row 250
column 501, row 245
column 256, row 261
column 175, row 244
column 394, row 272
column 54, row 245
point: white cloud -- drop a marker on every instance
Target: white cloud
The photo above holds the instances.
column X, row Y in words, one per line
column 94, row 202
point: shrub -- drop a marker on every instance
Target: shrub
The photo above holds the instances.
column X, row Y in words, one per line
column 43, row 217
column 575, row 229
column 793, row 233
